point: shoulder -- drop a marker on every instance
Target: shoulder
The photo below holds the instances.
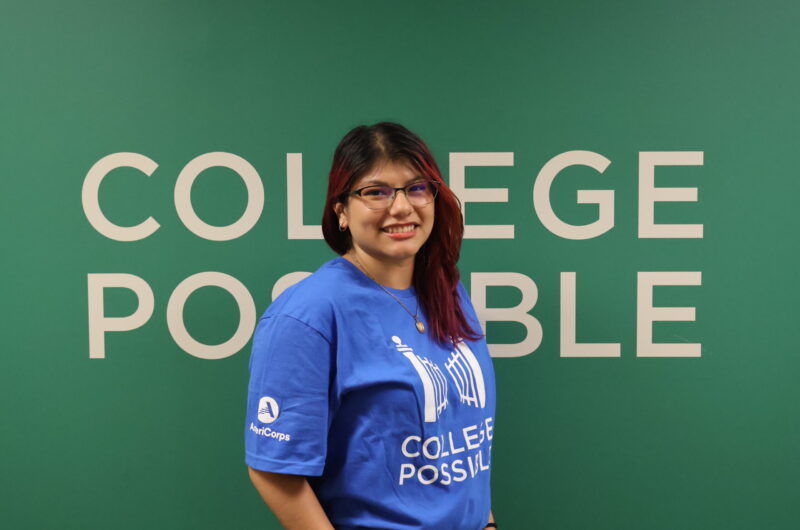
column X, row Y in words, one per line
column 332, row 281
column 315, row 300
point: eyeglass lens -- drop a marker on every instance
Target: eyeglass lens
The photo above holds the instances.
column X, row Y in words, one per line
column 418, row 194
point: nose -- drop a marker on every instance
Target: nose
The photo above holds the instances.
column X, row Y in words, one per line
column 400, row 206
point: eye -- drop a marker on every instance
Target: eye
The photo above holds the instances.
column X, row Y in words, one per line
column 418, row 187
column 377, row 192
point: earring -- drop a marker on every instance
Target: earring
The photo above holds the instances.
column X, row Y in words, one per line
column 342, row 228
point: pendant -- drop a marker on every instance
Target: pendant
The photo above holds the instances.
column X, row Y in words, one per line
column 420, row 326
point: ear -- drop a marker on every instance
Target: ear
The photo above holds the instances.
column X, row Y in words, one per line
column 341, row 213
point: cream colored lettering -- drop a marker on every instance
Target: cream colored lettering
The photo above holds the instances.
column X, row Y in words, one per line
column 453, row 448
column 489, row 428
column 456, row 467
column 427, row 453
column 469, row 438
column 446, row 478
column 404, row 447
column 406, row 471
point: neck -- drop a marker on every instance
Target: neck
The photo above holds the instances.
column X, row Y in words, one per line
column 389, row 274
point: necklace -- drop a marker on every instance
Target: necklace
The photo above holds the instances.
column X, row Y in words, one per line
column 414, row 315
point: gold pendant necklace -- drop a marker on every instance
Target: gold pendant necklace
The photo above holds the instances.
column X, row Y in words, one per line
column 415, row 315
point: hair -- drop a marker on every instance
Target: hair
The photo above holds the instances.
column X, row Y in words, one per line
column 436, row 275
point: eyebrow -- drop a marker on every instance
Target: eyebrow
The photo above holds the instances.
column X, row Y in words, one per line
column 378, row 182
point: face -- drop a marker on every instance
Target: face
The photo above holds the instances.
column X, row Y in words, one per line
column 392, row 236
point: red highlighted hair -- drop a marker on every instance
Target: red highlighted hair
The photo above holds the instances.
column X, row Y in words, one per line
column 436, row 275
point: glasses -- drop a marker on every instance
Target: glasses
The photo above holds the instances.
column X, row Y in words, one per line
column 381, row 197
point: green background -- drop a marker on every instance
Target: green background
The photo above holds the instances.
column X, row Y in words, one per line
column 151, row 437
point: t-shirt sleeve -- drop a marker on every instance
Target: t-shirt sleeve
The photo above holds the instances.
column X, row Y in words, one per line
column 286, row 427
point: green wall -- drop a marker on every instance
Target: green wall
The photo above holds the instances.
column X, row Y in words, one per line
column 150, row 436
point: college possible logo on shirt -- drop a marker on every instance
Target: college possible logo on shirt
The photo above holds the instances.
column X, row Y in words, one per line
column 268, row 410
column 464, row 370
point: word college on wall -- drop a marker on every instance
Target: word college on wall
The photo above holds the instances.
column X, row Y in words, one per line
column 649, row 195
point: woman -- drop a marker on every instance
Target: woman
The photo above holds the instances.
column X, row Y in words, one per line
column 371, row 399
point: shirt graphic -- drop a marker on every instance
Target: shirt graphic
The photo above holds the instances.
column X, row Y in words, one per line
column 463, row 367
column 464, row 370
column 268, row 410
column 434, row 385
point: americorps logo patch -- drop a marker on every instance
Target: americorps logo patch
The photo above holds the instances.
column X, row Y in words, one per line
column 268, row 410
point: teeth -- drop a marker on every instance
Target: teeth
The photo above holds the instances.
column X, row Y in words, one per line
column 399, row 229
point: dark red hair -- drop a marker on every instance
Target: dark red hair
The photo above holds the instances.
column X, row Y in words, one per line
column 436, row 275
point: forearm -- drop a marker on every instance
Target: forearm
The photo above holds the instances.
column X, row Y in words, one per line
column 291, row 499
column 490, row 524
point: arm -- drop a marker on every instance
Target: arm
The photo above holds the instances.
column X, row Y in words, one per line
column 291, row 499
column 490, row 523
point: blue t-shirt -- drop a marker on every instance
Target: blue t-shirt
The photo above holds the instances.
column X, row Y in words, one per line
column 392, row 429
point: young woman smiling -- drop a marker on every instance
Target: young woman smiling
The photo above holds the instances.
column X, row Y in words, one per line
column 371, row 399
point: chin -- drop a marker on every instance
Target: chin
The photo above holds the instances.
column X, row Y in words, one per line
column 399, row 254
column 397, row 251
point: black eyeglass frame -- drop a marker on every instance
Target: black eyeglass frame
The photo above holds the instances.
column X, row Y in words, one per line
column 432, row 183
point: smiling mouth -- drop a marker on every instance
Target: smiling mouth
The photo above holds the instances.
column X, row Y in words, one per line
column 399, row 229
